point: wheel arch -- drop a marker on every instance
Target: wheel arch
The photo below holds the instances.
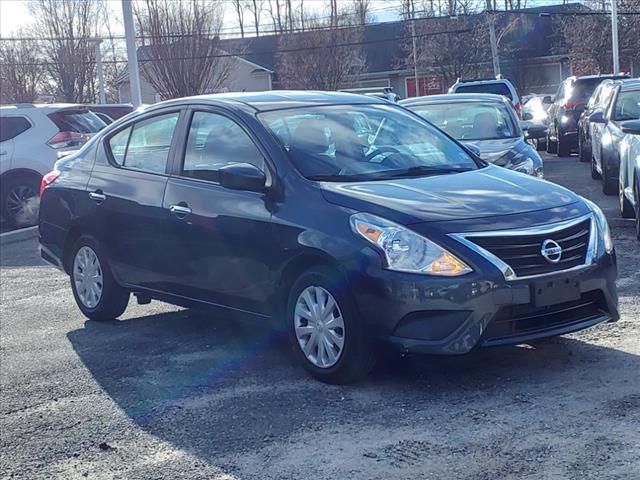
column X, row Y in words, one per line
column 15, row 172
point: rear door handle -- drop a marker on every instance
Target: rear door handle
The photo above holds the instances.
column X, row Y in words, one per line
column 97, row 196
column 180, row 211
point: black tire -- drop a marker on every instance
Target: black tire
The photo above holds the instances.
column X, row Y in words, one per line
column 594, row 173
column 562, row 146
column 583, row 152
column 626, row 209
column 18, row 200
column 113, row 300
column 357, row 358
column 552, row 147
column 609, row 185
column 636, row 191
column 541, row 145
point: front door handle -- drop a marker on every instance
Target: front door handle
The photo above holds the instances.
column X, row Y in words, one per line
column 180, row 211
column 97, row 196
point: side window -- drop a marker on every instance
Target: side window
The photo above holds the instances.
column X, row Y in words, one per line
column 149, row 143
column 215, row 141
column 11, row 127
column 118, row 145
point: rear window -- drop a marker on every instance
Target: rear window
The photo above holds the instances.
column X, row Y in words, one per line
column 78, row 121
column 495, row 88
column 11, row 127
column 583, row 88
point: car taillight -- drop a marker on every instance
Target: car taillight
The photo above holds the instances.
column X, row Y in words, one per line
column 519, row 110
column 48, row 179
column 571, row 104
column 67, row 139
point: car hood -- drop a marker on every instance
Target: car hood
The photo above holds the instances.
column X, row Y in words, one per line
column 489, row 191
column 500, row 152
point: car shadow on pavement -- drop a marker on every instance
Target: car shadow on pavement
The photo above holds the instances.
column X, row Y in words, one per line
column 224, row 387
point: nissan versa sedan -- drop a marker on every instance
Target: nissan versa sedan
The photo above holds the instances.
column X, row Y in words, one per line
column 489, row 123
column 342, row 219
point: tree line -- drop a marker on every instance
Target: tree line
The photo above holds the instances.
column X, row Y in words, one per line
column 186, row 50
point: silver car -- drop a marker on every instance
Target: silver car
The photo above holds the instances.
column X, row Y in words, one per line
column 629, row 191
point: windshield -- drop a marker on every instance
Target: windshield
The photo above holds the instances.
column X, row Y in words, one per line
column 497, row 88
column 470, row 120
column 627, row 106
column 364, row 142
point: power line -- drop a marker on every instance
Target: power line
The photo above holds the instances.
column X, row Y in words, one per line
column 263, row 52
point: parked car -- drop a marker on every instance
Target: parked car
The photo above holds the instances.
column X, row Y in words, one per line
column 606, row 133
column 495, row 86
column 569, row 103
column 598, row 101
column 272, row 206
column 486, row 121
column 111, row 111
column 31, row 137
column 629, row 190
column 535, row 110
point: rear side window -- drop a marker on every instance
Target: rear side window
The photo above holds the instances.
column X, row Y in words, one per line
column 11, row 127
column 495, row 88
column 215, row 141
column 583, row 89
column 145, row 145
column 78, row 121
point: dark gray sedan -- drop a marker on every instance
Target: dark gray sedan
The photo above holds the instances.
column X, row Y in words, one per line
column 487, row 122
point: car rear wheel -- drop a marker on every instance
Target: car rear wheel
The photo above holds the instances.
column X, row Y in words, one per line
column 626, row 209
column 562, row 148
column 96, row 292
column 609, row 185
column 594, row 172
column 326, row 332
column 19, row 200
column 552, row 147
column 584, row 152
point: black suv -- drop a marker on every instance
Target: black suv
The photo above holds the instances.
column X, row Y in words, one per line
column 341, row 219
column 565, row 111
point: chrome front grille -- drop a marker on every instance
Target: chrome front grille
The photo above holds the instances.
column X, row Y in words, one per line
column 518, row 253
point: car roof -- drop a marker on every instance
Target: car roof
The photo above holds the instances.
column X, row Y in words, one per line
column 482, row 81
column 454, row 98
column 631, row 84
column 606, row 76
column 276, row 100
column 24, row 107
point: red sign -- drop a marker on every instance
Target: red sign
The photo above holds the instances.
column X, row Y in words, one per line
column 430, row 85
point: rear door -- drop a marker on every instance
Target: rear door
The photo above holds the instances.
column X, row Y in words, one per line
column 598, row 129
column 221, row 240
column 10, row 127
column 126, row 190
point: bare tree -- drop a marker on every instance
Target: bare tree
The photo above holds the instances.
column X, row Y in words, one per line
column 255, row 8
column 320, row 59
column 22, row 71
column 362, row 11
column 182, row 46
column 239, row 8
column 69, row 26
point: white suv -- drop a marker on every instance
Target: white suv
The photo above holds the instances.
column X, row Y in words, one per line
column 31, row 138
column 497, row 86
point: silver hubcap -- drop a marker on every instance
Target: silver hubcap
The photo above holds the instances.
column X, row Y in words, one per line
column 18, row 199
column 319, row 326
column 87, row 276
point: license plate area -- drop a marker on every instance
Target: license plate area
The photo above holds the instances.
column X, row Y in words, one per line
column 554, row 292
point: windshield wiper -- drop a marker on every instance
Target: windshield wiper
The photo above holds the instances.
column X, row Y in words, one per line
column 423, row 170
column 336, row 178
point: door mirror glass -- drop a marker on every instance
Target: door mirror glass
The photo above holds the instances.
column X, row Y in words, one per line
column 547, row 100
column 533, row 130
column 597, row 117
column 242, row 176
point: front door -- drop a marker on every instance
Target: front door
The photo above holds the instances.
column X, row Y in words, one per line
column 221, row 239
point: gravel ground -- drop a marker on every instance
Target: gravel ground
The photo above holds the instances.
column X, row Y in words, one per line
column 168, row 393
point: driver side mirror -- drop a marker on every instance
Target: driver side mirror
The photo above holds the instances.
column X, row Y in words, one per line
column 243, row 176
column 547, row 100
column 597, row 117
column 532, row 130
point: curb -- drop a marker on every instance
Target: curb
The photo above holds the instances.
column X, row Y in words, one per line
column 18, row 235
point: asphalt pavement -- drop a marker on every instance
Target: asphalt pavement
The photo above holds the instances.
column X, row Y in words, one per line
column 167, row 393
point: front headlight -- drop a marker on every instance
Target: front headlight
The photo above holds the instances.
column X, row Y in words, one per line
column 405, row 250
column 526, row 166
column 604, row 232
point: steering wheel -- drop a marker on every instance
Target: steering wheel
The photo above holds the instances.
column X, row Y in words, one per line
column 380, row 151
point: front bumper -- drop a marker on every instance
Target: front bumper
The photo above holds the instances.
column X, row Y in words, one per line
column 453, row 316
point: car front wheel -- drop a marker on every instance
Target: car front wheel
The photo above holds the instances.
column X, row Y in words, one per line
column 584, row 153
column 19, row 200
column 626, row 209
column 96, row 292
column 325, row 330
column 609, row 184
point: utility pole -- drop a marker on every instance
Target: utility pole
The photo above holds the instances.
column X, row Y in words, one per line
column 494, row 46
column 132, row 54
column 614, row 36
column 102, row 96
column 415, row 56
